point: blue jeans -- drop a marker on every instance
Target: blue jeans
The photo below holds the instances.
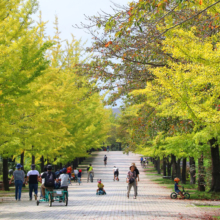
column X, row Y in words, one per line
column 18, row 187
column 31, row 188
column 79, row 179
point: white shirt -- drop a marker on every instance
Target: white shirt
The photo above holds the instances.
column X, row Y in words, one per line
column 33, row 172
column 43, row 179
column 76, row 172
column 64, row 179
column 115, row 169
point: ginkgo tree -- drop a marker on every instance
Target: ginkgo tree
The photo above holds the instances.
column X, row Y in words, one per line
column 189, row 89
column 129, row 41
column 47, row 110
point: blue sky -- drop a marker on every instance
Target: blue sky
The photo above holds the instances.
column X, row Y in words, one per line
column 72, row 12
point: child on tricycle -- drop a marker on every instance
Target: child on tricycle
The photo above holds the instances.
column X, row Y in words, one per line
column 100, row 189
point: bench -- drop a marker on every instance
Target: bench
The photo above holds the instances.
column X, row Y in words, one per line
column 167, row 177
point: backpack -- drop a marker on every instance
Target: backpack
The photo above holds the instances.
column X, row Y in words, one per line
column 105, row 158
column 49, row 179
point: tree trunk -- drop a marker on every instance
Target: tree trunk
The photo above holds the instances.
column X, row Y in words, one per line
column 184, row 171
column 201, row 176
column 174, row 166
column 61, row 166
column 215, row 187
column 158, row 166
column 119, row 146
column 164, row 166
column 42, row 164
column 155, row 163
column 168, row 167
column 22, row 161
column 192, row 170
column 5, row 174
column 178, row 172
column 33, row 159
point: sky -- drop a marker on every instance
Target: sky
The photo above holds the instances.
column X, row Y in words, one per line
column 71, row 12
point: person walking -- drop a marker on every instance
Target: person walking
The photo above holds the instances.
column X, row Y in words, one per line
column 69, row 172
column 132, row 181
column 90, row 171
column 105, row 160
column 137, row 174
column 33, row 177
column 141, row 160
column 79, row 176
column 19, row 180
column 76, row 173
column 115, row 173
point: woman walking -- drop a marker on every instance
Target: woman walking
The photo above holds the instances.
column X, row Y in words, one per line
column 132, row 181
column 79, row 176
column 18, row 177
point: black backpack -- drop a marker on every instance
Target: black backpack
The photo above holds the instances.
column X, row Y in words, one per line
column 49, row 179
column 105, row 158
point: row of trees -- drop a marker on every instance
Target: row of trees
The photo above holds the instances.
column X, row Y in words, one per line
column 48, row 112
column 163, row 58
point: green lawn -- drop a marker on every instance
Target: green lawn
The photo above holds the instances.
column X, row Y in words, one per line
column 190, row 188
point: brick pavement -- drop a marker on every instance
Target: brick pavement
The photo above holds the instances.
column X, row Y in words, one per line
column 153, row 201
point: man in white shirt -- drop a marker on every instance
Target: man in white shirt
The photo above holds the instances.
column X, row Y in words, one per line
column 33, row 178
column 64, row 179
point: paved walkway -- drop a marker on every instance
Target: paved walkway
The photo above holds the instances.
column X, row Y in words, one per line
column 153, row 201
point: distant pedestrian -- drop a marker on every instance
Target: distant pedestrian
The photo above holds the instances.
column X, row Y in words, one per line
column 76, row 173
column 69, row 171
column 115, row 173
column 33, row 178
column 141, row 160
column 19, row 180
column 105, row 160
column 90, row 171
column 79, row 176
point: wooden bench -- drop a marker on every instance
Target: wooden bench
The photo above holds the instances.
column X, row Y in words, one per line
column 167, row 177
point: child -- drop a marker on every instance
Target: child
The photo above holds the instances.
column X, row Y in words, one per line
column 176, row 180
column 100, row 186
